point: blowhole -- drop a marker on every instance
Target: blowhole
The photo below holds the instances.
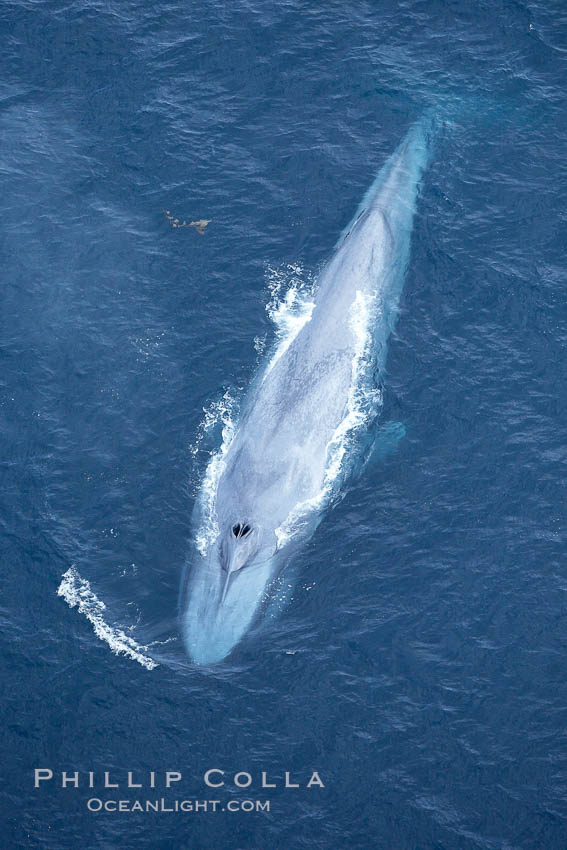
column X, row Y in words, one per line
column 241, row 530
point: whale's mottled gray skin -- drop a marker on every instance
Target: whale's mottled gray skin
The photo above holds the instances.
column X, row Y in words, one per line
column 279, row 455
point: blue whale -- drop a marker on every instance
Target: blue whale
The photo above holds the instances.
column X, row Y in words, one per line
column 290, row 450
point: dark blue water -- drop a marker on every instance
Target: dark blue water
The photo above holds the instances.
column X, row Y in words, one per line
column 420, row 666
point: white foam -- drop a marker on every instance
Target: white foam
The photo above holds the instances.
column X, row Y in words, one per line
column 221, row 411
column 289, row 306
column 76, row 591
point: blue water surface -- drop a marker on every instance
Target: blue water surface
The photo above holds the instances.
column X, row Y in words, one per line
column 420, row 666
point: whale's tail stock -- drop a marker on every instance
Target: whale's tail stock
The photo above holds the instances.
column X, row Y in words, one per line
column 395, row 188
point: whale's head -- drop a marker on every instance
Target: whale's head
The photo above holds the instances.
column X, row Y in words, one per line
column 227, row 587
column 229, row 582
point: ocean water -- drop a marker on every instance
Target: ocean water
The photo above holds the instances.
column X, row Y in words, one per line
column 419, row 665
